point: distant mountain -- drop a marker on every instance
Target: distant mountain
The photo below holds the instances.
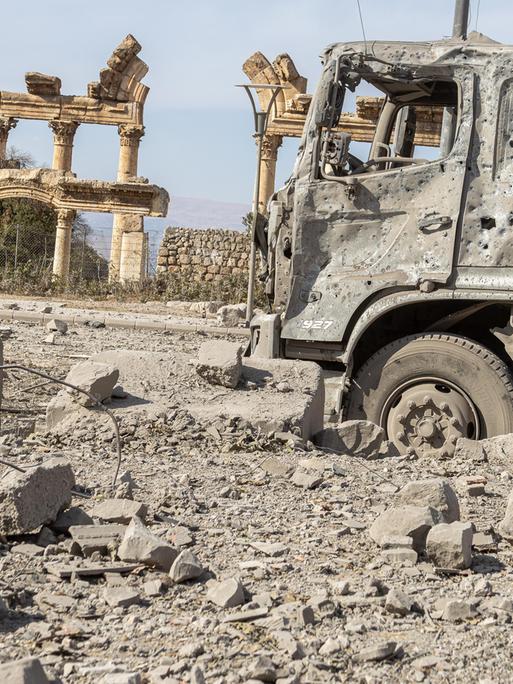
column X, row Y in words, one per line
column 184, row 212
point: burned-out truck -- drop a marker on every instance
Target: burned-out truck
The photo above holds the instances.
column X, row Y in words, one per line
column 397, row 271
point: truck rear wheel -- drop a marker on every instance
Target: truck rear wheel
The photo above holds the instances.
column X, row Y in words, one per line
column 428, row 390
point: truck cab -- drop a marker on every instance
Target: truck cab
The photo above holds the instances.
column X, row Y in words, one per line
column 397, row 271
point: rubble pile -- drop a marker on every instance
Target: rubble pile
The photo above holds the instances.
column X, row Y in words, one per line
column 226, row 553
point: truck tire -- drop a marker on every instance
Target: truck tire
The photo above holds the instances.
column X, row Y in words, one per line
column 428, row 390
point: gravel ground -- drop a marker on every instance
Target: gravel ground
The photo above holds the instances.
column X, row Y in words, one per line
column 207, row 486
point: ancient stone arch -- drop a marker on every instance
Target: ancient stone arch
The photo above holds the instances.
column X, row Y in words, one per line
column 116, row 99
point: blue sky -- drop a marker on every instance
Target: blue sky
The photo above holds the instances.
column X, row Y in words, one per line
column 198, row 142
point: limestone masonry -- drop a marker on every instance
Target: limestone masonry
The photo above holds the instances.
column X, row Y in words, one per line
column 207, row 255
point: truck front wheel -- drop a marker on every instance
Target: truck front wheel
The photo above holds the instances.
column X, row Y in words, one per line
column 428, row 390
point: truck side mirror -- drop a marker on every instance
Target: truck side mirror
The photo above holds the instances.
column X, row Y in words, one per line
column 335, row 149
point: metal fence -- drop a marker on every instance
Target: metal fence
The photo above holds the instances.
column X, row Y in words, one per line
column 24, row 249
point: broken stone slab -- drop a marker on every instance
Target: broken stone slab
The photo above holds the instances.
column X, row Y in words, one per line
column 185, row 567
column 35, row 497
column 270, row 549
column 276, row 467
column 27, row 549
column 26, row 671
column 121, row 597
column 64, row 571
column 410, row 521
column 231, row 315
column 220, row 363
column 307, row 479
column 400, row 556
column 300, row 411
column 398, row 602
column 56, row 325
column 101, row 538
column 455, row 610
column 42, row 84
column 227, row 594
column 141, row 545
column 357, row 437
column 247, row 615
column 449, row 545
column 377, row 652
column 98, row 379
column 434, row 492
column 154, row 588
column 119, row 510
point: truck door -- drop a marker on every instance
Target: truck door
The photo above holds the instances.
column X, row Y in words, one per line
column 389, row 224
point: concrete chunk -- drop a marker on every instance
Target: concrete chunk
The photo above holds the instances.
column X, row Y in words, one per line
column 220, row 363
column 35, row 497
column 56, row 325
column 410, row 521
column 450, row 545
column 119, row 510
column 435, row 492
column 26, row 671
column 227, row 594
column 185, row 567
column 140, row 545
column 99, row 379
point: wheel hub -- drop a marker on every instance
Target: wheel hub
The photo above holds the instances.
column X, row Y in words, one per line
column 429, row 415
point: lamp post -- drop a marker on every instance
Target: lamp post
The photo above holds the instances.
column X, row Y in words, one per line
column 261, row 119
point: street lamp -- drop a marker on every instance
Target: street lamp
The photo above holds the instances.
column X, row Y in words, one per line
column 261, row 119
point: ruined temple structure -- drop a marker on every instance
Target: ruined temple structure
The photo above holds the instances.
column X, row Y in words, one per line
column 117, row 99
column 289, row 113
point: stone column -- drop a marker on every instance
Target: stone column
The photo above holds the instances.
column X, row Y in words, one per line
column 129, row 138
column 63, row 134
column 6, row 123
column 270, row 146
column 61, row 257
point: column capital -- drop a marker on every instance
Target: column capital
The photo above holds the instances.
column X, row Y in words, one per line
column 270, row 145
column 63, row 131
column 65, row 216
column 130, row 134
column 6, row 123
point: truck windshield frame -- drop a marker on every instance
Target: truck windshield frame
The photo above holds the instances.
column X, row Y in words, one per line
column 332, row 158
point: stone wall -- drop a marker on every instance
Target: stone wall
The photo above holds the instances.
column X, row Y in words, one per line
column 205, row 255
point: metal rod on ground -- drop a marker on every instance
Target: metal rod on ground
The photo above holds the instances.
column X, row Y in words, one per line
column 97, row 402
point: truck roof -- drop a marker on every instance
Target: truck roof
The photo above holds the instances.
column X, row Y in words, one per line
column 445, row 51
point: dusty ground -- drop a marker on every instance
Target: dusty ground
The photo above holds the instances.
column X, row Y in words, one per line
column 211, row 482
